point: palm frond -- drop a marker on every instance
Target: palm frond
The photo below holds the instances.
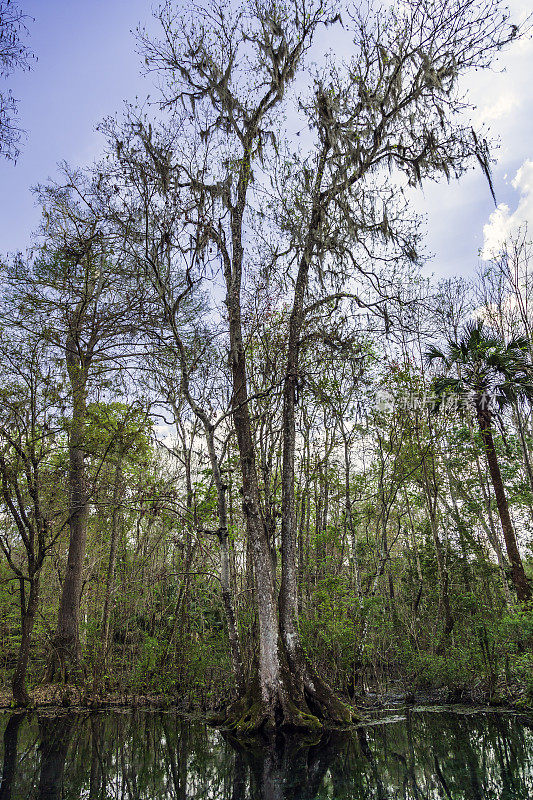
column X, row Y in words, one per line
column 434, row 354
column 505, row 395
column 446, row 387
column 487, row 366
column 520, row 343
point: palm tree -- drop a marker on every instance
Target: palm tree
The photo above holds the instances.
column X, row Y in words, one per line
column 491, row 375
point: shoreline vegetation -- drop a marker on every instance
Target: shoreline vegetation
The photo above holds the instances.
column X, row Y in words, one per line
column 69, row 699
column 247, row 449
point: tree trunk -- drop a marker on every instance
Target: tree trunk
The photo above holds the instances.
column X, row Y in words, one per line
column 322, row 700
column 271, row 694
column 28, row 612
column 271, row 691
column 280, row 679
column 492, row 533
column 520, row 581
column 116, row 520
column 275, row 700
column 66, row 655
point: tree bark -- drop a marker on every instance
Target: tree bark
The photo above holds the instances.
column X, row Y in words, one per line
column 66, row 654
column 520, row 581
column 491, row 530
column 28, row 612
column 270, row 679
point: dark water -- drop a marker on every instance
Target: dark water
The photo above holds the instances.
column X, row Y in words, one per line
column 418, row 756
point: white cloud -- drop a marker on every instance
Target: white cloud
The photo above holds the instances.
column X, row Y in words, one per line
column 496, row 231
column 500, row 108
column 502, row 222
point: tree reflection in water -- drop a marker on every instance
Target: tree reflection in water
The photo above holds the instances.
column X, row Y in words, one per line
column 158, row 756
column 11, row 734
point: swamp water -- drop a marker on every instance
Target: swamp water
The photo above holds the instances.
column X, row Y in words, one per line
column 418, row 755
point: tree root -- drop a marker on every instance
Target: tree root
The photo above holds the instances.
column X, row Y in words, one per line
column 329, row 708
column 320, row 709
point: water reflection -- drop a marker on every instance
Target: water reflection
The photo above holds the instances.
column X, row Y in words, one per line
column 152, row 756
column 10, row 755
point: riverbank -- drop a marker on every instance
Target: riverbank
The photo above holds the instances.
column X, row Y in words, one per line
column 62, row 697
column 66, row 696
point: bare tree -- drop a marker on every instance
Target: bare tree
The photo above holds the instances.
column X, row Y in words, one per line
column 396, row 108
column 226, row 76
column 14, row 55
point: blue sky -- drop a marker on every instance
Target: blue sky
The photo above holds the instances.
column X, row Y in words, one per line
column 87, row 66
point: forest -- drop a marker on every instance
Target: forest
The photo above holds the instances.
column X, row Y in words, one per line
column 254, row 461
